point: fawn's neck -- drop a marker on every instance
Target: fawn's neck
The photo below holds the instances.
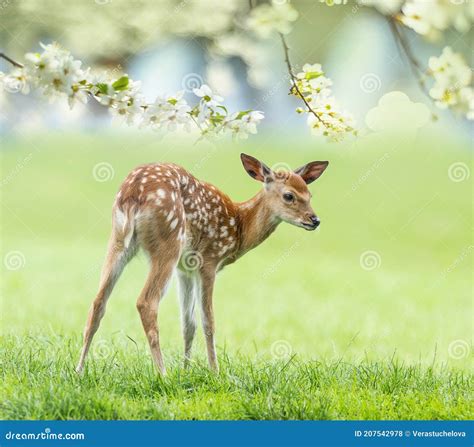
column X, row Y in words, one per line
column 256, row 222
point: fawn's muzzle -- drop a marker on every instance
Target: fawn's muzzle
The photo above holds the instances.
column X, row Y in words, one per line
column 312, row 224
column 315, row 221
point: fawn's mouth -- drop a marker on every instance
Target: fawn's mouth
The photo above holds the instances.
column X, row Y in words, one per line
column 309, row 226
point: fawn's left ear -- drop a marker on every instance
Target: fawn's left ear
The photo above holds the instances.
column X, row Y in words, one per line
column 312, row 170
column 256, row 169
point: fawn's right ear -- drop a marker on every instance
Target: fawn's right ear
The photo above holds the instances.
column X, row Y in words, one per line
column 256, row 169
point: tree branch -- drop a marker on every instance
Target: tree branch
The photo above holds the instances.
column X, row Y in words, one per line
column 294, row 80
column 8, row 59
column 414, row 64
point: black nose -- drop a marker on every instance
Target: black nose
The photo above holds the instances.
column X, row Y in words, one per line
column 315, row 221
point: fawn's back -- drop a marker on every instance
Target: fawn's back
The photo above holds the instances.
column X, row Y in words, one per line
column 161, row 202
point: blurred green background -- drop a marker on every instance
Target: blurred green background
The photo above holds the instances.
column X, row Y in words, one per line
column 320, row 293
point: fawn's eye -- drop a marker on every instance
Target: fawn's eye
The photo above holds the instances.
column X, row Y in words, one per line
column 288, row 197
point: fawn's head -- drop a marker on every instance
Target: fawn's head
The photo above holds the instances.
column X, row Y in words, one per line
column 286, row 192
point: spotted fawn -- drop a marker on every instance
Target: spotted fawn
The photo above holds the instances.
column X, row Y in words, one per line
column 188, row 225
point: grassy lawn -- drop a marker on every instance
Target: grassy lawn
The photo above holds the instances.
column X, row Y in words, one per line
column 41, row 384
column 369, row 317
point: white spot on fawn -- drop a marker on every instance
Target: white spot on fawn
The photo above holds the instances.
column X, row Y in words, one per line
column 174, row 223
column 161, row 193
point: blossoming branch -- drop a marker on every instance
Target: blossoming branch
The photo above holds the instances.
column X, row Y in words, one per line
column 324, row 115
column 59, row 75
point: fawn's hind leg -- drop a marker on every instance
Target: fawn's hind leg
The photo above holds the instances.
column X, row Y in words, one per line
column 117, row 258
column 187, row 298
column 164, row 248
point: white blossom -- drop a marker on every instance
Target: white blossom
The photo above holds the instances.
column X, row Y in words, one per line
column 57, row 73
column 208, row 105
column 431, row 18
column 244, row 123
column 334, row 2
column 452, row 82
column 268, row 18
column 15, row 81
column 388, row 7
column 169, row 113
column 325, row 117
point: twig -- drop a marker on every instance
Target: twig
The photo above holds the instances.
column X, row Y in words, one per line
column 415, row 66
column 8, row 59
column 294, row 80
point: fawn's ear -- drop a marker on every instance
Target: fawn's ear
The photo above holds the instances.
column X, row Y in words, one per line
column 312, row 170
column 256, row 169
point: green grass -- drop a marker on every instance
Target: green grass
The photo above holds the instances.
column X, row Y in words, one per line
column 41, row 384
column 392, row 342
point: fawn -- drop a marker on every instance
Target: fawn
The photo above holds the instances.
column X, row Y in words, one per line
column 189, row 225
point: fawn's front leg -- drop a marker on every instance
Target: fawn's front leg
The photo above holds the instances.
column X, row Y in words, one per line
column 208, row 276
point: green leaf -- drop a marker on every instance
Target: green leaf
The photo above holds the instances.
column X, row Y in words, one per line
column 120, row 83
column 243, row 113
column 313, row 75
column 217, row 119
column 103, row 88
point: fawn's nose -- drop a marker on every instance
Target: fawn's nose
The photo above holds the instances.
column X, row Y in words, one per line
column 315, row 221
